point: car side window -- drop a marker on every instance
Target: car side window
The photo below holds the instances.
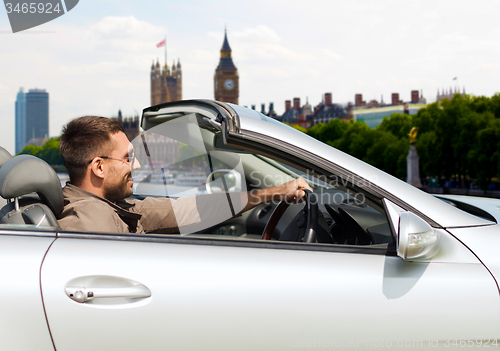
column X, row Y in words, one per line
column 183, row 158
column 178, row 160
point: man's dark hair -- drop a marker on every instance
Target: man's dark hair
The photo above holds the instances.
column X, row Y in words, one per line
column 83, row 139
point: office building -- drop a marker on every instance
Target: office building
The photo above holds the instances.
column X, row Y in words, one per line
column 32, row 118
column 20, row 121
column 37, row 116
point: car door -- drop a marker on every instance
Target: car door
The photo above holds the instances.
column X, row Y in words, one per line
column 22, row 320
column 222, row 294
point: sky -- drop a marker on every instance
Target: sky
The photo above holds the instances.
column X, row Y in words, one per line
column 96, row 59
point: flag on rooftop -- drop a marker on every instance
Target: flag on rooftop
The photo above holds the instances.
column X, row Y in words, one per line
column 160, row 44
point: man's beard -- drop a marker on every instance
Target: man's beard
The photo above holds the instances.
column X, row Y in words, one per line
column 118, row 191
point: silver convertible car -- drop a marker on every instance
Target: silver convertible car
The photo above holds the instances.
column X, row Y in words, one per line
column 366, row 261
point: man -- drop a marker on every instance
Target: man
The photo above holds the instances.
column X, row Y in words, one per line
column 99, row 160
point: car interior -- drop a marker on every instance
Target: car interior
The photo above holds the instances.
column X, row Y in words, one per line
column 345, row 213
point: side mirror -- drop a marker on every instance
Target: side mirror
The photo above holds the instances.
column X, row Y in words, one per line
column 417, row 240
column 223, row 180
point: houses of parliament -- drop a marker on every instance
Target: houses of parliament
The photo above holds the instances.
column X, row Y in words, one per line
column 166, row 82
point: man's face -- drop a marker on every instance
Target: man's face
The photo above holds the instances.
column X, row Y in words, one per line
column 118, row 178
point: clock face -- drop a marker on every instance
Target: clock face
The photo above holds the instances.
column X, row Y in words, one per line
column 229, row 84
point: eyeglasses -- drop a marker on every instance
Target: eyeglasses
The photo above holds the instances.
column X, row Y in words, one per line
column 125, row 159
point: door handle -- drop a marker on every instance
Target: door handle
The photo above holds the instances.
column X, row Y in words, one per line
column 86, row 294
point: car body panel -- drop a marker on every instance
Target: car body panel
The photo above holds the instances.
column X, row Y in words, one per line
column 248, row 298
column 484, row 243
column 489, row 205
column 22, row 319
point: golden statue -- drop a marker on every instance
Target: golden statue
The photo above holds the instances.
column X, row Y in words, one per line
column 413, row 134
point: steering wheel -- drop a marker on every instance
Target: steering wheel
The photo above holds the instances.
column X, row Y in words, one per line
column 311, row 206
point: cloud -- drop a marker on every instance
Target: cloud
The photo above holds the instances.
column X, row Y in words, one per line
column 431, row 15
column 261, row 43
column 124, row 33
column 331, row 54
column 201, row 55
column 260, row 33
column 494, row 67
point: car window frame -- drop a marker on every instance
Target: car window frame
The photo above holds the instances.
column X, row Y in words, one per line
column 381, row 249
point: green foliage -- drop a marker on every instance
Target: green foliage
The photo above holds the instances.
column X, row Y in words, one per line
column 333, row 130
column 299, row 128
column 49, row 152
column 484, row 158
column 399, row 125
column 458, row 138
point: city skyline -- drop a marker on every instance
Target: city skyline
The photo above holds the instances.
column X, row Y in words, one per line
column 97, row 58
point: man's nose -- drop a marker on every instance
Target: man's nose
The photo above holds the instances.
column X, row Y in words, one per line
column 136, row 164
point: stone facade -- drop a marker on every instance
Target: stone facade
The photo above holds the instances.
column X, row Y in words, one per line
column 166, row 82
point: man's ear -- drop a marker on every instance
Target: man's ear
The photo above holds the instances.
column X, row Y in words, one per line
column 97, row 167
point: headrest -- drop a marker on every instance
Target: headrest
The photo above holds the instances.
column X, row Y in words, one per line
column 24, row 174
column 4, row 156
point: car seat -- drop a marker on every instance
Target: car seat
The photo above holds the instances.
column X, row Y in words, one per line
column 20, row 178
column 4, row 157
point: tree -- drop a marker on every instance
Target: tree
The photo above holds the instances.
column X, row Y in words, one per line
column 352, row 140
column 299, row 128
column 331, row 131
column 426, row 145
column 426, row 118
column 495, row 105
column 484, row 157
column 399, row 124
column 31, row 150
column 49, row 152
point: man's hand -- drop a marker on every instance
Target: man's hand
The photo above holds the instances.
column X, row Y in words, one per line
column 291, row 192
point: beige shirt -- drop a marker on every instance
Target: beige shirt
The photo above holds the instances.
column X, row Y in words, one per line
column 84, row 211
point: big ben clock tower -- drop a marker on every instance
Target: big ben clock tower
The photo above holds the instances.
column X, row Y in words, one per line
column 226, row 81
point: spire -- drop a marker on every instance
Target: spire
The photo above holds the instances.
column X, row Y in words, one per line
column 225, row 45
column 226, row 62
